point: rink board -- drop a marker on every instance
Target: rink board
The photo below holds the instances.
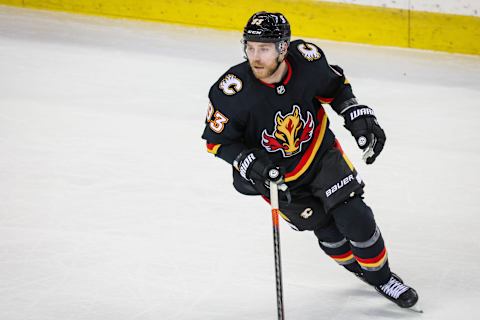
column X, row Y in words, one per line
column 325, row 20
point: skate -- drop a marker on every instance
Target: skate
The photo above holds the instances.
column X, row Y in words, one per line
column 398, row 292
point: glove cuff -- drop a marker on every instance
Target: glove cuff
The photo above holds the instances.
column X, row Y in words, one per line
column 251, row 161
column 358, row 111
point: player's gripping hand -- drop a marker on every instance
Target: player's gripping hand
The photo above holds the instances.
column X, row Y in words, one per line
column 254, row 164
column 363, row 125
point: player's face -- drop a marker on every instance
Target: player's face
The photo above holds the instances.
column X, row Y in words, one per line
column 262, row 58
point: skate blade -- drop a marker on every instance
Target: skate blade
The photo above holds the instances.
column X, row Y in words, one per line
column 415, row 309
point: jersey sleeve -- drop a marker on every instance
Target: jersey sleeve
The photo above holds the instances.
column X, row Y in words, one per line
column 224, row 123
column 339, row 89
column 333, row 87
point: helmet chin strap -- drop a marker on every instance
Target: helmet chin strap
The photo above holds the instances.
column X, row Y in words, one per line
column 281, row 50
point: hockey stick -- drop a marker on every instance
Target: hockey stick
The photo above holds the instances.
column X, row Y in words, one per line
column 368, row 152
column 276, row 248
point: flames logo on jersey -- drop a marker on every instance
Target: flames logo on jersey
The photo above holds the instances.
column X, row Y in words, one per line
column 309, row 51
column 290, row 132
column 230, row 85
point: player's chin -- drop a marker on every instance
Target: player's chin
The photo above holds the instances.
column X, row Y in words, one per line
column 260, row 73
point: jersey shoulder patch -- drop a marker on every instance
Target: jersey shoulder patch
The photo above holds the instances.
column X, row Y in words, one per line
column 232, row 81
column 230, row 84
column 307, row 50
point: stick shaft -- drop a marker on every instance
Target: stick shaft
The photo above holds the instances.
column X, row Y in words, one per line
column 276, row 248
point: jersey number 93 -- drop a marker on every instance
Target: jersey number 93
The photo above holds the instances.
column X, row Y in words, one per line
column 217, row 124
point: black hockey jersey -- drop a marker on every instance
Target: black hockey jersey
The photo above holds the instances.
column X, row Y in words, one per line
column 285, row 119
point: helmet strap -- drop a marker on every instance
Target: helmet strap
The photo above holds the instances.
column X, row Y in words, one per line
column 281, row 47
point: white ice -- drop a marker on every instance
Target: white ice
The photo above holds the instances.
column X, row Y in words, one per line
column 111, row 208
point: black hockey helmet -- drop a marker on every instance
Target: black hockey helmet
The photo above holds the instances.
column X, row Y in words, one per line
column 267, row 27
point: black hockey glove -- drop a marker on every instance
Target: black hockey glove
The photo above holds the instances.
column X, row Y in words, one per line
column 363, row 125
column 254, row 164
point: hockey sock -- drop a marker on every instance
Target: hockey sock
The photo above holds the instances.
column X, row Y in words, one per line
column 334, row 244
column 354, row 219
column 372, row 257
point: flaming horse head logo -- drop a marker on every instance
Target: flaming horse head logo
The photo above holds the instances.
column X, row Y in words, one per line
column 290, row 132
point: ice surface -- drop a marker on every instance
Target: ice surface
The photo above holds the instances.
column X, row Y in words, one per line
column 111, row 209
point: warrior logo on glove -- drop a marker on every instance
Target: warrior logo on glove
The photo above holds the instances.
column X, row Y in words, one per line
column 290, row 132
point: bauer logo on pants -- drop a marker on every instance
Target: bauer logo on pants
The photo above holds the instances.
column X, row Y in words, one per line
column 339, row 185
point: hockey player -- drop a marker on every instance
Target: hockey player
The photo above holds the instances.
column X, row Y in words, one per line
column 267, row 113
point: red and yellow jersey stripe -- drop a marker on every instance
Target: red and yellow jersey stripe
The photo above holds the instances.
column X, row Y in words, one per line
column 312, row 150
column 339, row 147
column 213, row 148
column 324, row 100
